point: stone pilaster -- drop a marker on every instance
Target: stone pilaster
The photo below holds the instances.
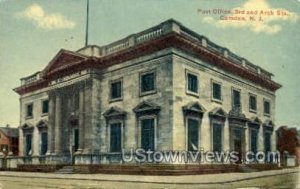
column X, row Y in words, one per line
column 88, row 134
column 81, row 121
column 226, row 131
column 51, row 118
column 58, row 123
column 205, row 133
column 69, row 128
column 261, row 139
column 247, row 139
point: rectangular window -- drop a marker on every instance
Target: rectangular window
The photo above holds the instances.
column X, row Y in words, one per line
column 253, row 136
column 217, row 137
column 45, row 106
column 15, row 142
column 116, row 90
column 192, row 83
column 115, row 137
column 193, row 135
column 147, row 134
column 236, row 99
column 44, row 143
column 147, row 81
column 267, row 142
column 217, row 94
column 4, row 148
column 28, row 145
column 76, row 139
column 266, row 107
column 252, row 103
column 29, row 110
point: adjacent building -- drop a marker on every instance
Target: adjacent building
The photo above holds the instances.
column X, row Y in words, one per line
column 288, row 143
column 9, row 141
column 165, row 88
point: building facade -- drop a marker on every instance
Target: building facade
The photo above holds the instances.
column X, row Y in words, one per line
column 165, row 88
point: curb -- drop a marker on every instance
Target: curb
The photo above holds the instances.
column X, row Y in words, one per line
column 154, row 182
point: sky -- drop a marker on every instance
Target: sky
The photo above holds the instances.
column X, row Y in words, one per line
column 33, row 31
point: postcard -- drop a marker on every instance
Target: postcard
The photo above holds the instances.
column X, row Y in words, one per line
column 149, row 94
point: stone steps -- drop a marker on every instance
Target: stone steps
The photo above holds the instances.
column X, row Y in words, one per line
column 246, row 169
column 66, row 170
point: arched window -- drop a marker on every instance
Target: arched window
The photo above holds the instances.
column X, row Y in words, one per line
column 43, row 127
column 253, row 125
column 217, row 120
column 193, row 113
column 146, row 113
column 268, row 128
column 115, row 119
column 28, row 138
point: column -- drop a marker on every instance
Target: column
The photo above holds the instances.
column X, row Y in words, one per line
column 247, row 133
column 58, row 124
column 81, row 121
column 246, row 142
column 273, row 141
column 226, row 141
column 274, row 146
column 68, row 125
column 50, row 129
column 88, row 130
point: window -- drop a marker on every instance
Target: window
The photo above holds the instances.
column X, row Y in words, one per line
column 44, row 142
column 267, row 144
column 29, row 110
column 266, row 107
column 253, row 140
column 192, row 84
column 147, row 82
column 252, row 103
column 115, row 137
column 15, row 142
column 116, row 90
column 28, row 148
column 236, row 99
column 45, row 106
column 193, row 134
column 217, row 137
column 76, row 139
column 216, row 91
column 4, row 148
column 147, row 134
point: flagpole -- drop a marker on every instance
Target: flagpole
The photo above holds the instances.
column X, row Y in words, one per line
column 87, row 24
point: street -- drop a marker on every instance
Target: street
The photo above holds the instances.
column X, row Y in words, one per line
column 289, row 180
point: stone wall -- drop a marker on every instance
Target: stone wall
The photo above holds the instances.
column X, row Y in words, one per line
column 207, row 73
column 36, row 99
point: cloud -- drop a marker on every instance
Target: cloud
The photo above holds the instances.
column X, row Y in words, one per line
column 264, row 23
column 41, row 19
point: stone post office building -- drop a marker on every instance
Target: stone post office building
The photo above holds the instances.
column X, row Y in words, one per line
column 165, row 88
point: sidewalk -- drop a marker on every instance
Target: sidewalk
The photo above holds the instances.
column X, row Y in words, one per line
column 187, row 179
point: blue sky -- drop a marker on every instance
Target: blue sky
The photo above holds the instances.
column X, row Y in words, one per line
column 32, row 32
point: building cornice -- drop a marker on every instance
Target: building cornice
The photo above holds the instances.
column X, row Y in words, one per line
column 168, row 40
